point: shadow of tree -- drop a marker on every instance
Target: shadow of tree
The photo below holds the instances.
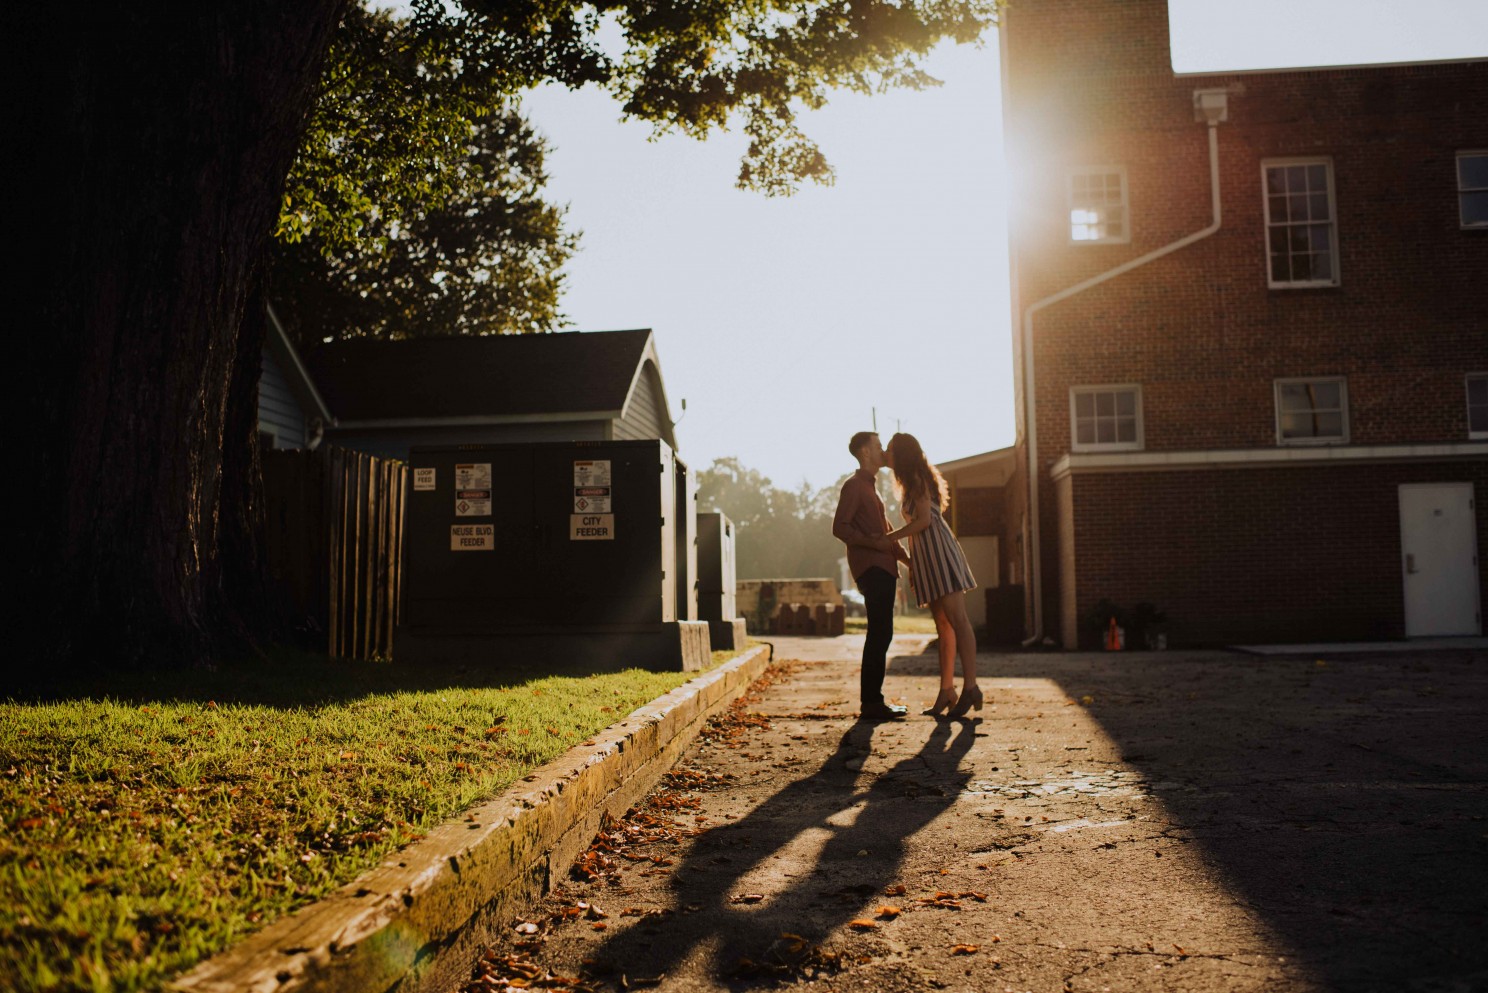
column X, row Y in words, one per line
column 285, row 678
column 862, row 835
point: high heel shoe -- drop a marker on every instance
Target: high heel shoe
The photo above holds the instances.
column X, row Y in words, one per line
column 971, row 696
column 945, row 698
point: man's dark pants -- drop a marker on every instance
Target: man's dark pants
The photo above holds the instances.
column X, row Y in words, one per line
column 878, row 587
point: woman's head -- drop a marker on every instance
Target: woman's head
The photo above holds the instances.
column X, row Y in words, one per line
column 914, row 477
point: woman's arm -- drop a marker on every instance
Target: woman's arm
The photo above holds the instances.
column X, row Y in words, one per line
column 914, row 523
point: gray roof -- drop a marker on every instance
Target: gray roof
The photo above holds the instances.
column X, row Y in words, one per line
column 488, row 376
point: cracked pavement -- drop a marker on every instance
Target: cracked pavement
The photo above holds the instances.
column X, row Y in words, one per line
column 1156, row 821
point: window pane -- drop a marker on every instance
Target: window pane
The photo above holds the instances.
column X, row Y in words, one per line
column 1275, row 181
column 1477, row 390
column 1105, row 404
column 1298, row 206
column 1297, row 240
column 1327, row 396
column 1105, row 431
column 1322, row 266
column 1474, row 208
column 1317, row 177
column 1281, row 271
column 1318, row 206
column 1294, row 397
column 1317, row 237
column 1477, row 418
column 1302, row 268
column 1296, row 178
column 1126, row 429
column 1126, row 403
column 1330, row 424
column 1278, row 208
column 1278, row 240
column 1085, row 432
column 1084, row 404
column 1292, row 426
column 1472, row 172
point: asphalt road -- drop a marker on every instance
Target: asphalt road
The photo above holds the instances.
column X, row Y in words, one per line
column 1155, row 821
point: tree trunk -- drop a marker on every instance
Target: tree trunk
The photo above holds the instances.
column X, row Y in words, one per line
column 157, row 140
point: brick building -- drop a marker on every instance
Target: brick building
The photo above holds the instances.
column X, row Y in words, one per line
column 1251, row 328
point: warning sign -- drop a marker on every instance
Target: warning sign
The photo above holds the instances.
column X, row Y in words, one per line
column 594, row 472
column 472, row 537
column 591, row 527
column 472, row 503
column 473, row 476
column 423, row 479
column 591, row 499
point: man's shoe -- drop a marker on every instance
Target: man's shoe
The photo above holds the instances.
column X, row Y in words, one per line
column 883, row 712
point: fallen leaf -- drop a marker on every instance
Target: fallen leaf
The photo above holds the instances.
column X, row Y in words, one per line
column 863, row 924
column 964, row 949
column 889, row 912
column 897, row 890
column 599, row 925
column 526, row 927
column 747, row 898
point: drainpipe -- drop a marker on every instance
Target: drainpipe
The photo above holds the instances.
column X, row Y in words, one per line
column 1210, row 107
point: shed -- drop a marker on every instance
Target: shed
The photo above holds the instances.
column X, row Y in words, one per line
column 291, row 411
column 389, row 396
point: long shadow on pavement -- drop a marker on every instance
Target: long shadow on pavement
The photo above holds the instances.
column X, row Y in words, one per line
column 1344, row 801
column 867, row 831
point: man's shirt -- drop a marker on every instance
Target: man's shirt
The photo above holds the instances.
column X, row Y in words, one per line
column 860, row 517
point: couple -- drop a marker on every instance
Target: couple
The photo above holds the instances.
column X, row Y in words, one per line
column 938, row 573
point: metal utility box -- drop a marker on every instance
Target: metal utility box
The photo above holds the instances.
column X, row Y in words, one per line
column 716, row 581
column 572, row 551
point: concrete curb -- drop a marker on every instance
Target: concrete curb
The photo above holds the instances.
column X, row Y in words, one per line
column 415, row 922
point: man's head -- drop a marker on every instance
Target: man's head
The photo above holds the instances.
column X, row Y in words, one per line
column 868, row 450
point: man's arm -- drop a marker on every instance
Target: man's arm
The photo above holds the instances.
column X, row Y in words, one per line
column 899, row 553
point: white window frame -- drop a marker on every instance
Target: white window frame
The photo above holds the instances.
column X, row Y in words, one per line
column 1327, row 162
column 1107, row 446
column 1070, row 206
column 1457, row 176
column 1467, row 398
column 1343, row 400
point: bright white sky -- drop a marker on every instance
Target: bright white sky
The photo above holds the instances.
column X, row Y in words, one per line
column 785, row 322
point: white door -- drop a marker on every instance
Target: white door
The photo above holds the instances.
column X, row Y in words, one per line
column 1439, row 559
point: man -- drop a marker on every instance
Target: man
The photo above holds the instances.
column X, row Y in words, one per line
column 873, row 561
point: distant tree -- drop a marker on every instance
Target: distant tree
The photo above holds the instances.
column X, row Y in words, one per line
column 405, row 216
column 779, row 533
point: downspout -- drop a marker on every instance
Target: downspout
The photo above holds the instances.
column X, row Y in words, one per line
column 1210, row 106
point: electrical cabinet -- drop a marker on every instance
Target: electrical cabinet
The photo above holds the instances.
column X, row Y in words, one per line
column 546, row 539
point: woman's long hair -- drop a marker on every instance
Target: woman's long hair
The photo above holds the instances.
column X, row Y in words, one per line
column 914, row 476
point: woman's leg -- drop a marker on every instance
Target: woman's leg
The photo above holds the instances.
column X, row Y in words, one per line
column 953, row 607
column 946, row 631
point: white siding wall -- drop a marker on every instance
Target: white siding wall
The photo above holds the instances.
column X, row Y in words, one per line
column 644, row 419
column 279, row 414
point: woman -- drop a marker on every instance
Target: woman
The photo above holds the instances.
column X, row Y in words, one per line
column 938, row 572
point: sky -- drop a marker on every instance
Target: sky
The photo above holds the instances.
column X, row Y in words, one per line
column 788, row 323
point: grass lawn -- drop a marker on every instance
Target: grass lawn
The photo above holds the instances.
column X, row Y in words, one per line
column 151, row 820
column 912, row 623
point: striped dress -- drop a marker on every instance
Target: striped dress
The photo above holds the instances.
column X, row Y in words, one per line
column 937, row 564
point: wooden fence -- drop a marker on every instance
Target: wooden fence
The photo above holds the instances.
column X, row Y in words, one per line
column 335, row 543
